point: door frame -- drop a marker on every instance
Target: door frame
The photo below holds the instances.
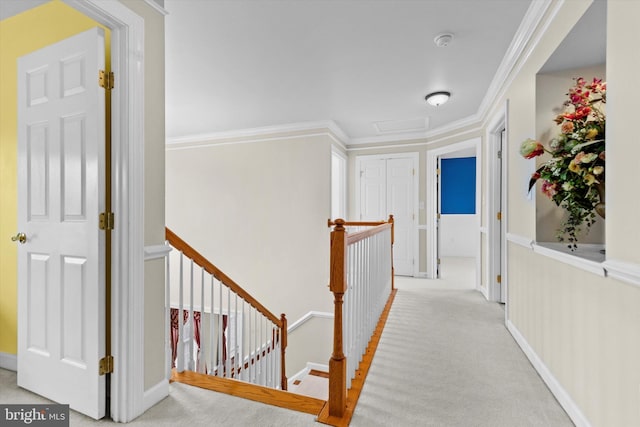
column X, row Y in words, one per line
column 496, row 202
column 432, row 202
column 415, row 157
column 127, row 182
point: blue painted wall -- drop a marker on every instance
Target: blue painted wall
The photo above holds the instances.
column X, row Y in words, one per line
column 458, row 186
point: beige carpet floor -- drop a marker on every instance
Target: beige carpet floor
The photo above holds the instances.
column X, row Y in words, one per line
column 445, row 359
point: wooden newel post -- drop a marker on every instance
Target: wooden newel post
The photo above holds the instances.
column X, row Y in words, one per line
column 283, row 348
column 338, row 285
column 393, row 273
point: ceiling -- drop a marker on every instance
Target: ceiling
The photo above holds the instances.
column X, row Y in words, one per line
column 234, row 66
column 365, row 65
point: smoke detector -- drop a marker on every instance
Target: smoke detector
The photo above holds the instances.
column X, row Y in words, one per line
column 443, row 40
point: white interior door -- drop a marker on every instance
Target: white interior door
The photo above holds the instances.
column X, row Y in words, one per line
column 387, row 186
column 400, row 203
column 499, row 249
column 438, row 216
column 61, row 280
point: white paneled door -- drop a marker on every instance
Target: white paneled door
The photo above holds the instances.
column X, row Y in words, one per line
column 387, row 186
column 61, row 188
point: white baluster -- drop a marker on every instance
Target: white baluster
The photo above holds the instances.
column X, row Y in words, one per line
column 191, row 322
column 200, row 356
column 180, row 347
column 237, row 360
column 212, row 343
column 167, row 316
column 220, row 332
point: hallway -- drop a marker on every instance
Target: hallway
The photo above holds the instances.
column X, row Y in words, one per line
column 444, row 359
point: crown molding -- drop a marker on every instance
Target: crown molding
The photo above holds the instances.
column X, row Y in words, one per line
column 265, row 133
column 536, row 20
column 514, row 55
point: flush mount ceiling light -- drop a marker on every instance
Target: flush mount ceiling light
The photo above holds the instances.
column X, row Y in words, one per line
column 443, row 40
column 437, row 98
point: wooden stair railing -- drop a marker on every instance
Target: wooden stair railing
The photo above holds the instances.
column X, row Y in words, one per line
column 230, row 365
column 342, row 400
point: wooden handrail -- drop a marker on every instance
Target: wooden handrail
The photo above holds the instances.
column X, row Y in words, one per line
column 355, row 237
column 356, row 223
column 200, row 260
column 363, row 234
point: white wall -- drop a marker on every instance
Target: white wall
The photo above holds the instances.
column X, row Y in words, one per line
column 258, row 211
column 458, row 235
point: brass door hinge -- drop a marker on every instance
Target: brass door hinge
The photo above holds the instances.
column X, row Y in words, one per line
column 107, row 221
column 106, row 80
column 106, row 365
column 499, row 216
column 438, row 261
column 499, row 278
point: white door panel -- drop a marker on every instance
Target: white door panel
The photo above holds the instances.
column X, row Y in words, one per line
column 400, row 203
column 387, row 186
column 373, row 191
column 61, row 288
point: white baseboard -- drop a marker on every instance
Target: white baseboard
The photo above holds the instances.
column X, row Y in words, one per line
column 9, row 361
column 483, row 291
column 554, row 385
column 155, row 394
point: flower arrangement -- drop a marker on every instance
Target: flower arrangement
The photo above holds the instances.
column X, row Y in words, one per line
column 574, row 175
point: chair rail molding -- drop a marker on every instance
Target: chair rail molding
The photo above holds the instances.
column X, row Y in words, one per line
column 310, row 315
column 622, row 270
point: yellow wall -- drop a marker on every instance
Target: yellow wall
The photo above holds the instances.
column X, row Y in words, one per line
column 19, row 35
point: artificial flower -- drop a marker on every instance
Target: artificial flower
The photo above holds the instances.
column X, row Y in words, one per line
column 567, row 127
column 531, row 148
column 577, row 161
column 591, row 133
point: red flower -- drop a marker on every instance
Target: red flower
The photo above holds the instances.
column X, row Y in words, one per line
column 549, row 189
column 531, row 148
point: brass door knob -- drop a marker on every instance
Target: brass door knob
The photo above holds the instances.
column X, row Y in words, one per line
column 20, row 237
